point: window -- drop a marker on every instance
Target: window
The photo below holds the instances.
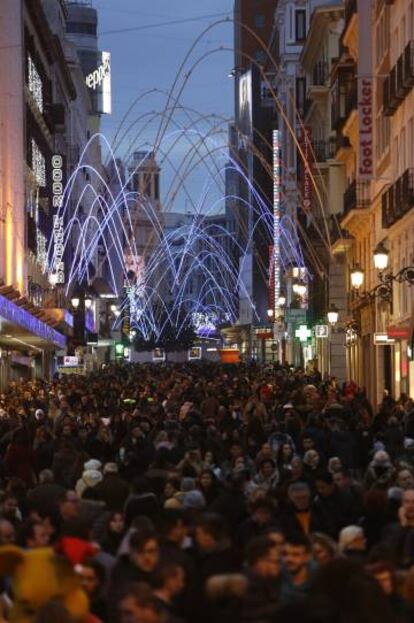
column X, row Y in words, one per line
column 81, row 28
column 301, row 95
column 259, row 21
column 382, row 35
column 300, row 25
column 410, row 143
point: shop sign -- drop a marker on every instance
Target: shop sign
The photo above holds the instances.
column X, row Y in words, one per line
column 295, row 316
column 306, row 146
column 303, row 333
column 365, row 94
column 70, row 361
column 382, row 339
column 398, row 333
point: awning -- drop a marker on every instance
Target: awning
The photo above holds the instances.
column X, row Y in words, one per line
column 24, row 325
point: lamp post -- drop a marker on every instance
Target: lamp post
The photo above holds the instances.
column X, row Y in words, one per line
column 333, row 315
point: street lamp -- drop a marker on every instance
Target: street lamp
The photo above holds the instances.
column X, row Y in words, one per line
column 299, row 288
column 381, row 257
column 357, row 277
column 270, row 313
column 333, row 315
column 75, row 301
column 53, row 279
column 88, row 302
column 281, row 301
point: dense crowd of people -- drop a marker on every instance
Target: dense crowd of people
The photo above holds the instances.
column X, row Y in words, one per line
column 184, row 493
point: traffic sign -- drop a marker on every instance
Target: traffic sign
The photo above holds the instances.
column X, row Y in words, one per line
column 321, row 330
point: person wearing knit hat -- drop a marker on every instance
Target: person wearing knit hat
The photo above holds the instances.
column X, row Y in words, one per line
column 92, row 464
column 90, row 478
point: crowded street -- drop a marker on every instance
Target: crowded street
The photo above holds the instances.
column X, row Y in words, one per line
column 208, row 493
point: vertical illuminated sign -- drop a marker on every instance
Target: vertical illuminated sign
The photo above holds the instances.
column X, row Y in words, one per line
column 58, row 224
column 99, row 80
column 365, row 94
column 276, row 219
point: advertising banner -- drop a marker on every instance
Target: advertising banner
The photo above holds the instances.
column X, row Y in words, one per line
column 365, row 94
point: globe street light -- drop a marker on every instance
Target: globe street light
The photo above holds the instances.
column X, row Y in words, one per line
column 357, row 277
column 270, row 313
column 299, row 288
column 381, row 257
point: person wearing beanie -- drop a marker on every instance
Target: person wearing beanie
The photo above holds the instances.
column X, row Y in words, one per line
column 380, row 473
column 90, row 478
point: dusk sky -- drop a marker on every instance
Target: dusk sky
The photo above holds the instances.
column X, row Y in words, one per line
column 148, row 57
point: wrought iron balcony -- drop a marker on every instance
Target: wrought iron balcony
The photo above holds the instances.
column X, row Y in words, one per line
column 356, row 196
column 399, row 81
column 398, row 199
column 344, row 97
column 320, row 73
column 324, row 150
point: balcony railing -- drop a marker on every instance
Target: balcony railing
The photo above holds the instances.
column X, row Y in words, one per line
column 399, row 81
column 351, row 98
column 324, row 150
column 356, row 196
column 398, row 199
column 344, row 99
column 320, row 73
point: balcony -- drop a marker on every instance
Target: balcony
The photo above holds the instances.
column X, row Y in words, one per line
column 399, row 81
column 356, row 196
column 398, row 199
column 324, row 150
column 320, row 74
column 344, row 96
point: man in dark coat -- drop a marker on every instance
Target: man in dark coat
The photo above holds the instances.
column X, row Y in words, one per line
column 113, row 490
column 261, row 601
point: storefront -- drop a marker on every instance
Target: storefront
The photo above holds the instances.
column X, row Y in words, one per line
column 28, row 339
column 403, row 371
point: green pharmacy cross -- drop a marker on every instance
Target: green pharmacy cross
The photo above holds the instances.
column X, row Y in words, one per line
column 303, row 333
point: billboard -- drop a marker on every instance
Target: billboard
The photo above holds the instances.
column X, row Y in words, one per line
column 98, row 80
column 246, row 104
column 365, row 95
column 308, row 159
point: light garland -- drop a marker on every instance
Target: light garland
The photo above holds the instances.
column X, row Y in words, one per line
column 35, row 84
column 276, row 220
column 38, row 164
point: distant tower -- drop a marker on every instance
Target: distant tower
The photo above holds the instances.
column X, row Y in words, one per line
column 146, row 176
